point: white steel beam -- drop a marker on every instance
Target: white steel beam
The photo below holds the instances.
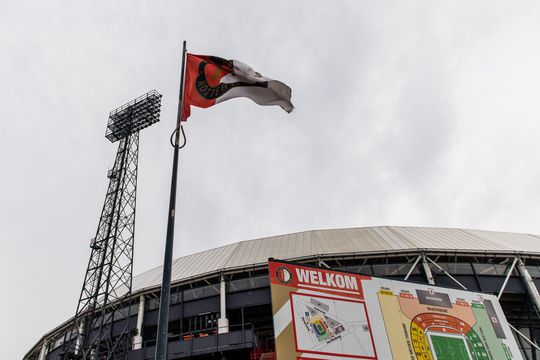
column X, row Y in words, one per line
column 413, row 267
column 427, row 270
column 43, row 351
column 524, row 337
column 79, row 342
column 223, row 322
column 446, row 273
column 531, row 287
column 137, row 339
column 507, row 277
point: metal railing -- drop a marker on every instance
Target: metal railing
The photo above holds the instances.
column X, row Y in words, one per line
column 203, row 341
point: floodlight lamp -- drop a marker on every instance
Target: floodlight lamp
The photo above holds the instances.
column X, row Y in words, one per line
column 134, row 116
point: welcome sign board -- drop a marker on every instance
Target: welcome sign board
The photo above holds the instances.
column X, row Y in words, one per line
column 325, row 314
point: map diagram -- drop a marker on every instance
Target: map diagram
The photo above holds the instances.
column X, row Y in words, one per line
column 438, row 329
column 325, row 325
column 323, row 314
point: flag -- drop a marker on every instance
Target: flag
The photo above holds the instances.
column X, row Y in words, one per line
column 210, row 80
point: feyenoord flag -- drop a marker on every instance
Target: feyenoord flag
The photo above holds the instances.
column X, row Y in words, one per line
column 210, row 80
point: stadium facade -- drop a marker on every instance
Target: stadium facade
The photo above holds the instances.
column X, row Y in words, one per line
column 221, row 303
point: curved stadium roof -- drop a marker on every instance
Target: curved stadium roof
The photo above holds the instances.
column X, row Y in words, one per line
column 337, row 242
column 368, row 240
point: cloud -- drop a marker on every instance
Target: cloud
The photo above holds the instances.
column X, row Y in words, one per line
column 406, row 114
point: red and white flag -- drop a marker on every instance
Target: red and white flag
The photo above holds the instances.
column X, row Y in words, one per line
column 210, row 80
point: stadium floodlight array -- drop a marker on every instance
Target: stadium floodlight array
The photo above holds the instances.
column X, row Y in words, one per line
column 134, row 116
column 108, row 280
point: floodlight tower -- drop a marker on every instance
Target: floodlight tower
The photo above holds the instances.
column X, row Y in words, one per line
column 107, row 283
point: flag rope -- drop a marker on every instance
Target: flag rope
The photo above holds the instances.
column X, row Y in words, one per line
column 184, row 141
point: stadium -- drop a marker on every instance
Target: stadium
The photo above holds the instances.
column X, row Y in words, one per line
column 221, row 302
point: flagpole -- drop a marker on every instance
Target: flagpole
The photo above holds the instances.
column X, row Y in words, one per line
column 165, row 296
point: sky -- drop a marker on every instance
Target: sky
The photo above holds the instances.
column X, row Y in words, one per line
column 415, row 113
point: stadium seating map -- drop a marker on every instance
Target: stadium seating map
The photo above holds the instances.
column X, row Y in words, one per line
column 439, row 328
column 325, row 314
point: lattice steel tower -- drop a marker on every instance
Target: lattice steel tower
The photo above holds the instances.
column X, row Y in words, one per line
column 107, row 283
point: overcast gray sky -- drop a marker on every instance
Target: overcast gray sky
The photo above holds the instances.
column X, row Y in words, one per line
column 416, row 113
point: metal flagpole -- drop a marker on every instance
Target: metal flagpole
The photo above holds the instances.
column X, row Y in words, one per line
column 164, row 301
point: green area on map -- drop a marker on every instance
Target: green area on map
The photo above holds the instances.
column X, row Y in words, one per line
column 449, row 348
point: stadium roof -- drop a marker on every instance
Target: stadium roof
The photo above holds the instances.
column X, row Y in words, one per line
column 368, row 240
column 336, row 242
